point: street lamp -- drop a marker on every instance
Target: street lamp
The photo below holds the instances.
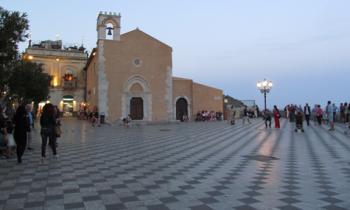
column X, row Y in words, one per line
column 264, row 87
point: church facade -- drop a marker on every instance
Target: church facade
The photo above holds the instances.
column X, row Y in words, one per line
column 131, row 74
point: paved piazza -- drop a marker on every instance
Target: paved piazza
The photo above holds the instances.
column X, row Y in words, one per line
column 196, row 166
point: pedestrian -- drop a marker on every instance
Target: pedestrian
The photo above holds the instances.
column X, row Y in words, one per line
column 347, row 112
column 48, row 125
column 299, row 122
column 292, row 110
column 257, row 111
column 233, row 119
column 94, row 117
column 314, row 117
column 335, row 111
column 3, row 135
column 307, row 113
column 276, row 116
column 330, row 112
column 267, row 118
column 57, row 130
column 319, row 114
column 245, row 115
column 31, row 125
column 21, row 128
column 127, row 121
column 342, row 113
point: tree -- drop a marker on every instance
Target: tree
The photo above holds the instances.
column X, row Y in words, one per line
column 28, row 82
column 13, row 28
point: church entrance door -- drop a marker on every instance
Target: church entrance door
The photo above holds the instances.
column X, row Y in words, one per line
column 181, row 109
column 136, row 108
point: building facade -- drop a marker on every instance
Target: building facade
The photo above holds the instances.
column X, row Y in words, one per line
column 65, row 65
column 131, row 74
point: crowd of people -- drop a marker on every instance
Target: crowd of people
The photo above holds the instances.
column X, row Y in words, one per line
column 91, row 115
column 298, row 114
column 16, row 128
column 205, row 115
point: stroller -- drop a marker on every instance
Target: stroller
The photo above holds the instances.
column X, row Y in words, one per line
column 299, row 122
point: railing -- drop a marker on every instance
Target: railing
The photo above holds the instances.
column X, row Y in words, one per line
column 69, row 84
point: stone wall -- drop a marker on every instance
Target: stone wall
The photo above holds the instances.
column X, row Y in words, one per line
column 207, row 98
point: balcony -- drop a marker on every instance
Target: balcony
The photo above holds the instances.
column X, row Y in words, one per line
column 69, row 82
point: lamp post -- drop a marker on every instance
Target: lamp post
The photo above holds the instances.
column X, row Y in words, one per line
column 264, row 87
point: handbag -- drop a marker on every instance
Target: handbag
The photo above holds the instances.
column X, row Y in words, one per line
column 58, row 131
column 11, row 140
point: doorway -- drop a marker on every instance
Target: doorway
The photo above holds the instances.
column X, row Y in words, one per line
column 68, row 106
column 181, row 109
column 136, row 108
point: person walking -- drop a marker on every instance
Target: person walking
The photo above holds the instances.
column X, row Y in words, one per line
column 292, row 110
column 342, row 113
column 330, row 114
column 233, row 118
column 21, row 128
column 299, row 121
column 307, row 113
column 267, row 118
column 245, row 115
column 319, row 114
column 94, row 117
column 277, row 116
column 31, row 125
column 3, row 133
column 48, row 125
column 347, row 112
column 335, row 111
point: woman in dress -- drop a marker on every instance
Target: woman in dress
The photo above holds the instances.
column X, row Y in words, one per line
column 276, row 115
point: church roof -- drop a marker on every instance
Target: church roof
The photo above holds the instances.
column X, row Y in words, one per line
column 137, row 30
column 180, row 78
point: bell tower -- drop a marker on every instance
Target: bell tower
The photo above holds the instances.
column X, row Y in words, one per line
column 108, row 26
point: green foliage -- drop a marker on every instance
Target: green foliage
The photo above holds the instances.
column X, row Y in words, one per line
column 28, row 82
column 13, row 27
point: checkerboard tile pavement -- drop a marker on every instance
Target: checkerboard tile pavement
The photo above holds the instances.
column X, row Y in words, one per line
column 195, row 166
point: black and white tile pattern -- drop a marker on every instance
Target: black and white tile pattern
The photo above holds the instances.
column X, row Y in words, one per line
column 190, row 166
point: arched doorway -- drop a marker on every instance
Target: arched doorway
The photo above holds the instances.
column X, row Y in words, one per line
column 136, row 108
column 181, row 108
column 137, row 87
column 68, row 105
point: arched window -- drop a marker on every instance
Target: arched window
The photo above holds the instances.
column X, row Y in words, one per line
column 109, row 31
column 68, row 75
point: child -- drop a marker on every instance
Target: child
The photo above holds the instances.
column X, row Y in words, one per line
column 299, row 122
column 126, row 121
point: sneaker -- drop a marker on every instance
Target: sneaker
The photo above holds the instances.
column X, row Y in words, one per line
column 56, row 156
column 29, row 148
column 42, row 160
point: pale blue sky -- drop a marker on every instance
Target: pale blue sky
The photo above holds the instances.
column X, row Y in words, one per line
column 303, row 46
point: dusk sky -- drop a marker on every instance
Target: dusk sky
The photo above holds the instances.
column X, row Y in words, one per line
column 303, row 46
